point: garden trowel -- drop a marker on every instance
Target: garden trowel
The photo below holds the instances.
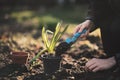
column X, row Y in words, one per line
column 64, row 46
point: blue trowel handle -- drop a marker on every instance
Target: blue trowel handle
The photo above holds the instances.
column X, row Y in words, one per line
column 75, row 37
column 78, row 34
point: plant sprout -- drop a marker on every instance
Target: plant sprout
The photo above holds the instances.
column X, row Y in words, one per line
column 51, row 44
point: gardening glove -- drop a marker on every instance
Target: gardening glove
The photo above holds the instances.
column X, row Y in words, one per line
column 95, row 64
column 85, row 25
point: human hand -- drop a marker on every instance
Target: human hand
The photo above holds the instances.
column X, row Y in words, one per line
column 95, row 65
column 85, row 25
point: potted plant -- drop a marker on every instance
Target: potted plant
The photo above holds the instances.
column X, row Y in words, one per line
column 19, row 57
column 51, row 60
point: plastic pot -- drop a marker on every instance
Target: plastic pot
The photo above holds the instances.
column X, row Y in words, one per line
column 51, row 64
column 19, row 57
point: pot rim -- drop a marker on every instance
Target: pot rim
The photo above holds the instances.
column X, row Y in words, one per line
column 19, row 53
column 50, row 57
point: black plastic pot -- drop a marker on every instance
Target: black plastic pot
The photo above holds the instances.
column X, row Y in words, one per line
column 51, row 63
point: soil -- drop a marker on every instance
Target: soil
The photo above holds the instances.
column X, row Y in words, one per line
column 72, row 63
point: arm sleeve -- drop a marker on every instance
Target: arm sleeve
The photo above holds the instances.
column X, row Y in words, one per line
column 117, row 57
column 97, row 11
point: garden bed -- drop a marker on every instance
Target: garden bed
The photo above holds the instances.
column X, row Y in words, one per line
column 20, row 30
column 72, row 63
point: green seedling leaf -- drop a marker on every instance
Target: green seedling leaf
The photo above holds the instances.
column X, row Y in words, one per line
column 48, row 31
column 57, row 30
column 45, row 38
column 37, row 56
column 50, row 44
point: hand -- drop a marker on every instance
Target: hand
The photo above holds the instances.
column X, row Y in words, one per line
column 85, row 25
column 95, row 65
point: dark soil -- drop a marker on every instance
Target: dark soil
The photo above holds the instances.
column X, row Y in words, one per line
column 71, row 66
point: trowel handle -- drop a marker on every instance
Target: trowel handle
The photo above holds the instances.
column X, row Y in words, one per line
column 77, row 35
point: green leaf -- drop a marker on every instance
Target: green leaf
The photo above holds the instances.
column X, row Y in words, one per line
column 50, row 44
column 45, row 38
column 57, row 30
column 48, row 31
column 61, row 33
column 37, row 56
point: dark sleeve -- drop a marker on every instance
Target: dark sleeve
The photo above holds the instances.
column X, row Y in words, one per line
column 97, row 11
column 117, row 57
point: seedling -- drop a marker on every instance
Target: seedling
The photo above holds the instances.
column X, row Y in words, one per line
column 50, row 44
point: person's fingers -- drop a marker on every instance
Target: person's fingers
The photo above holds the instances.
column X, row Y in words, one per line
column 92, row 67
column 81, row 28
column 82, row 35
column 91, row 62
column 77, row 28
column 85, row 34
column 86, row 68
column 96, row 69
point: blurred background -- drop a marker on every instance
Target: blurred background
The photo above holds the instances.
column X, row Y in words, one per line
column 21, row 20
column 29, row 14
